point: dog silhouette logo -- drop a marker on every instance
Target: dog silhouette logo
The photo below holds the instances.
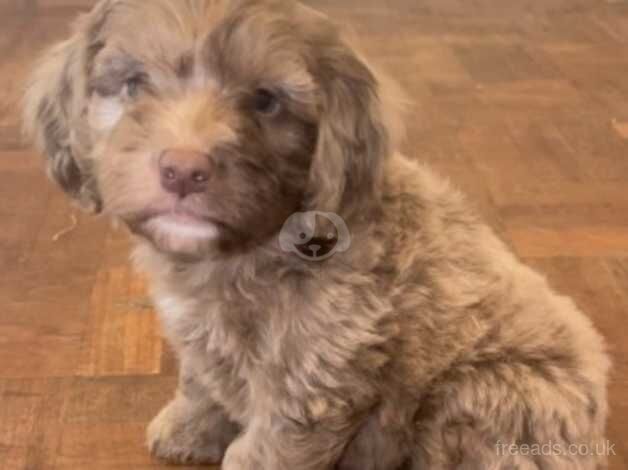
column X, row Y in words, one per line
column 314, row 235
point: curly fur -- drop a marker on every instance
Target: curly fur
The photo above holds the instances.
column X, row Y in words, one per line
column 426, row 344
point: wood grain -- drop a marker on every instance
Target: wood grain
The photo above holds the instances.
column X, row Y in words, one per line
column 524, row 105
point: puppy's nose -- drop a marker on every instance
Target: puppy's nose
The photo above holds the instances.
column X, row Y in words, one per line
column 184, row 172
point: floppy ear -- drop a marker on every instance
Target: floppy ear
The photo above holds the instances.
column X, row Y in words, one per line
column 55, row 107
column 358, row 130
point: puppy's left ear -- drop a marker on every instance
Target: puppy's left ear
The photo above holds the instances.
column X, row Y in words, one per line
column 360, row 126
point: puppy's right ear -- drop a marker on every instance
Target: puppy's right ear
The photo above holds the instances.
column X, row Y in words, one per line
column 55, row 106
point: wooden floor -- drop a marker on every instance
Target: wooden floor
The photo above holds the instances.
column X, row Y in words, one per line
column 522, row 103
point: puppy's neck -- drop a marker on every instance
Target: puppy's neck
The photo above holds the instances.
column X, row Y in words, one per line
column 266, row 264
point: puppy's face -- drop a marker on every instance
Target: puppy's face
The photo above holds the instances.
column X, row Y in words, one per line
column 204, row 125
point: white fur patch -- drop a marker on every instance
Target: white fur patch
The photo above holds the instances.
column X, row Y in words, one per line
column 170, row 308
column 174, row 313
column 173, row 225
column 105, row 112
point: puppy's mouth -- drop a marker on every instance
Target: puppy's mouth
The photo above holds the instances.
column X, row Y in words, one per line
column 177, row 229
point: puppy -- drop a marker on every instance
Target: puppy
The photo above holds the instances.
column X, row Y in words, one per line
column 207, row 127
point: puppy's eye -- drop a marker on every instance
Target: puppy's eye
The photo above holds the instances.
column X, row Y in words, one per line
column 266, row 102
column 132, row 86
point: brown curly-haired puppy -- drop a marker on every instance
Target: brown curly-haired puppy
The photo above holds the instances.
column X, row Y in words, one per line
column 423, row 344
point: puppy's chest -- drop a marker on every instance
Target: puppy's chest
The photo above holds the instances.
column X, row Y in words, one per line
column 221, row 328
column 245, row 351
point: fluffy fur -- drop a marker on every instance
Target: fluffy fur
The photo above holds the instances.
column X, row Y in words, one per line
column 424, row 345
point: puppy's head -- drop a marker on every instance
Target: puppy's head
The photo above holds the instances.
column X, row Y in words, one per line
column 205, row 124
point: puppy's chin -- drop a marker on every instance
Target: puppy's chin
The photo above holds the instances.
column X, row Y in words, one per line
column 179, row 234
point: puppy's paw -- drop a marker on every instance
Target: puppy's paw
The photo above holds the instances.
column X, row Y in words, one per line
column 362, row 462
column 357, row 462
column 178, row 437
column 374, row 449
column 240, row 457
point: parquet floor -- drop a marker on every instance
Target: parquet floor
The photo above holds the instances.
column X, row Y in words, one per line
column 522, row 103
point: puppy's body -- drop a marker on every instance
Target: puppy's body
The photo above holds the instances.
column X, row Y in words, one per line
column 426, row 344
column 440, row 345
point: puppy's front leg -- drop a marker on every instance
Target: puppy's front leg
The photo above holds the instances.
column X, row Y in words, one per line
column 191, row 428
column 279, row 443
column 384, row 441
